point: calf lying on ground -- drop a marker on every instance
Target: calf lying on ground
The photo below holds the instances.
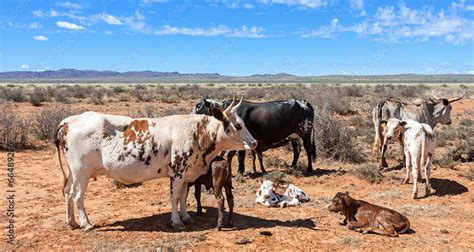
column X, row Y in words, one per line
column 216, row 178
column 419, row 144
column 365, row 217
column 268, row 195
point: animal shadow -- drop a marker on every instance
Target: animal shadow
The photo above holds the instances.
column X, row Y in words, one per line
column 447, row 187
column 321, row 172
column 161, row 222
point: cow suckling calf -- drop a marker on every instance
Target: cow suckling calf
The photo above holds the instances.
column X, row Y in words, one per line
column 272, row 194
column 216, row 178
column 132, row 150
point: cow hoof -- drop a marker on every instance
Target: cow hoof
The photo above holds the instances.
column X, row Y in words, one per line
column 365, row 232
column 73, row 225
column 405, row 181
column 219, row 228
column 88, row 228
column 178, row 226
column 187, row 219
column 413, row 195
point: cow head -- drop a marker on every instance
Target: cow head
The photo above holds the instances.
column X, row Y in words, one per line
column 266, row 192
column 442, row 108
column 233, row 135
column 338, row 202
column 393, row 128
column 205, row 106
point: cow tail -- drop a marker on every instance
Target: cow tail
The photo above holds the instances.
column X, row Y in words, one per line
column 57, row 142
column 423, row 147
column 313, row 142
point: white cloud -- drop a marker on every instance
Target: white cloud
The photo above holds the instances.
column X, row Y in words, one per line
column 25, row 66
column 40, row 38
column 248, row 6
column 35, row 25
column 53, row 13
column 38, row 13
column 69, row 26
column 70, row 5
column 220, row 30
column 358, row 5
column 390, row 24
column 325, row 31
column 300, row 3
column 108, row 33
column 247, row 32
column 212, row 31
column 470, row 72
column 109, row 19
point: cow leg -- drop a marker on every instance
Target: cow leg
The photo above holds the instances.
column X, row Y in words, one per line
column 79, row 186
column 254, row 168
column 386, row 230
column 407, row 166
column 230, row 156
column 427, row 175
column 414, row 173
column 353, row 225
column 260, row 160
column 377, row 140
column 197, row 195
column 68, row 196
column 182, row 205
column 176, row 188
column 383, row 161
column 241, row 158
column 230, row 202
column 307, row 148
column 220, row 203
column 296, row 151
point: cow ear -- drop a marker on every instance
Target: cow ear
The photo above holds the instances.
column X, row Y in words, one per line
column 403, row 123
column 383, row 123
column 217, row 113
column 445, row 102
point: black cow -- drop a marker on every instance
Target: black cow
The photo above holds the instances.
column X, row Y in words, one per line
column 272, row 124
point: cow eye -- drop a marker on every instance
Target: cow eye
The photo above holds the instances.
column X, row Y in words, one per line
column 238, row 126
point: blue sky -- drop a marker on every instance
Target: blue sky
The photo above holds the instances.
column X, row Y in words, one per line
column 302, row 37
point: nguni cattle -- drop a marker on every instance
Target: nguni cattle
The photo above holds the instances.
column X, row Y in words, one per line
column 273, row 194
column 273, row 124
column 216, row 178
column 364, row 217
column 132, row 150
column 432, row 111
column 419, row 144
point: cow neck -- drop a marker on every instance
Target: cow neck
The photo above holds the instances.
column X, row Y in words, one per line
column 350, row 207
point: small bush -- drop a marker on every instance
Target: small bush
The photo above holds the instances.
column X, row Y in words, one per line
column 143, row 94
column 38, row 96
column 334, row 140
column 275, row 176
column 369, row 173
column 13, row 128
column 14, row 94
column 48, row 119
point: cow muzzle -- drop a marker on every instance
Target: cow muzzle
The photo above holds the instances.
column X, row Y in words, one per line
column 250, row 146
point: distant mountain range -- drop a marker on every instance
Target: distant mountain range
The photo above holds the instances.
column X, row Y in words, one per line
column 74, row 75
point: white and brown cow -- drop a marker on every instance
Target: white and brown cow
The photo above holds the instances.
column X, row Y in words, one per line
column 273, row 194
column 419, row 144
column 135, row 150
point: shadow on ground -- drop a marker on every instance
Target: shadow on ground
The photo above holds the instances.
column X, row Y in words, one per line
column 161, row 222
column 447, row 187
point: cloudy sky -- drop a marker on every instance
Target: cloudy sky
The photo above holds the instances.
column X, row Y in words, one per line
column 303, row 37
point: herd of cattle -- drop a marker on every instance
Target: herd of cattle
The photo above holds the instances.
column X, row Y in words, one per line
column 189, row 148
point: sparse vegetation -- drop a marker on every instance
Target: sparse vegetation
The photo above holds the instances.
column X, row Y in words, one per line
column 370, row 173
column 13, row 128
column 46, row 121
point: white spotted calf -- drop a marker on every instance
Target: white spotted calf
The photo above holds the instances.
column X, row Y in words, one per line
column 419, row 145
column 268, row 195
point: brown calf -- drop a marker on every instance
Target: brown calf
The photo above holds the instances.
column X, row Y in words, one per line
column 216, row 178
column 365, row 217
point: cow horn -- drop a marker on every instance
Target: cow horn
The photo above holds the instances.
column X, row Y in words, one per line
column 228, row 109
column 238, row 104
column 436, row 97
column 456, row 99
